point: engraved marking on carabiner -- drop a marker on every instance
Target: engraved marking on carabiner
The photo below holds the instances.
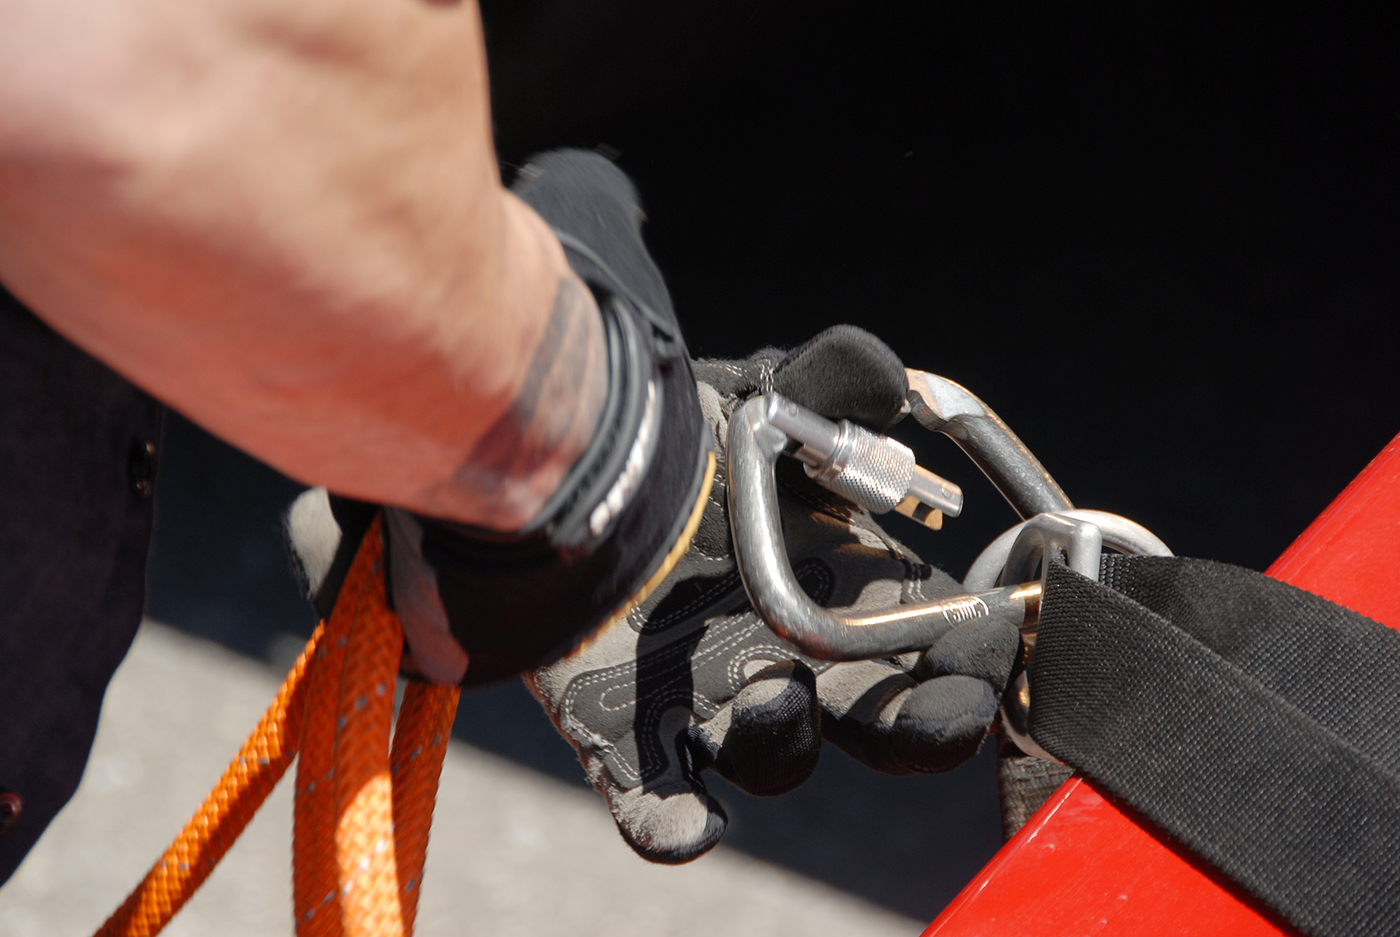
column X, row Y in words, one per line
column 965, row 609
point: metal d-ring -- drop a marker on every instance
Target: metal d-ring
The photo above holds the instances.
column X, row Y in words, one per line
column 1119, row 534
column 946, row 407
column 1078, row 538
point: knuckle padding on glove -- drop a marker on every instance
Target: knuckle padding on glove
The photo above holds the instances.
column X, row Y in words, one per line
column 845, row 373
column 942, row 722
column 774, row 734
column 880, row 715
column 986, row 650
column 859, row 700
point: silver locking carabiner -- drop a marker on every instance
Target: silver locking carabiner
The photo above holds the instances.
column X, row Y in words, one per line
column 756, row 441
column 880, row 474
column 876, row 472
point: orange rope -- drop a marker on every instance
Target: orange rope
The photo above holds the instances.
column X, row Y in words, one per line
column 363, row 807
column 313, row 830
column 223, row 815
column 356, row 823
column 420, row 742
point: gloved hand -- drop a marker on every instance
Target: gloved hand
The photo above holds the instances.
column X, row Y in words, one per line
column 692, row 679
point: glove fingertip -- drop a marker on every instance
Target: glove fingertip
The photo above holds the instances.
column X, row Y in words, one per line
column 987, row 652
column 845, row 372
column 669, row 826
column 774, row 737
column 942, row 723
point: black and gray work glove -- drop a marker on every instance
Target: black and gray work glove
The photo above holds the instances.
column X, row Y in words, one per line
column 690, row 678
column 693, row 679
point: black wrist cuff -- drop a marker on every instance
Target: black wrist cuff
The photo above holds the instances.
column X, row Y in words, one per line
column 603, row 482
column 517, row 601
column 521, row 600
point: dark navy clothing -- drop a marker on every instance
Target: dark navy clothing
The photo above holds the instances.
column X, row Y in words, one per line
column 77, row 468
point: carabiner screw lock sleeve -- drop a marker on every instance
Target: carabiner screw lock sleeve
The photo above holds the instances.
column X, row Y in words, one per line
column 874, row 471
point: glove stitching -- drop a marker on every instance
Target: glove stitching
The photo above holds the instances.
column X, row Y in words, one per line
column 627, row 676
column 596, row 747
column 757, row 652
column 765, row 375
column 826, row 582
column 713, row 558
column 700, row 704
column 624, row 675
column 726, row 585
column 724, row 639
column 673, row 658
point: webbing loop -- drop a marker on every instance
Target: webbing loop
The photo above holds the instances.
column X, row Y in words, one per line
column 363, row 812
column 1254, row 722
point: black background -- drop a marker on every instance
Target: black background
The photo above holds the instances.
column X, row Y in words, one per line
column 1162, row 243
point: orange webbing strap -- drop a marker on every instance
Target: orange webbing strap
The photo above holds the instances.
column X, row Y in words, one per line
column 223, row 815
column 353, row 828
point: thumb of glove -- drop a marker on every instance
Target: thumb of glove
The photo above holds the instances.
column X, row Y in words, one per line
column 672, row 819
column 765, row 741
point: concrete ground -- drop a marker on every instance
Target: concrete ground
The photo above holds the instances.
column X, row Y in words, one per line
column 513, row 852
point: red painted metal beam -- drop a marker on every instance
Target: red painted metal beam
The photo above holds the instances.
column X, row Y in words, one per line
column 1086, row 865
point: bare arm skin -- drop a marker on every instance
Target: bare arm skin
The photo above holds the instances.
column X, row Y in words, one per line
column 285, row 219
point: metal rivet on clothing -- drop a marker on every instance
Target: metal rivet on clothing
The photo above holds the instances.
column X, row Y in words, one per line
column 141, row 468
column 11, row 806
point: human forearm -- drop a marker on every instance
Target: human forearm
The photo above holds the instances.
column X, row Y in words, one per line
column 288, row 224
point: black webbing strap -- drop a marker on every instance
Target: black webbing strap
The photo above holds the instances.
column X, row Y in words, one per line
column 1256, row 723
